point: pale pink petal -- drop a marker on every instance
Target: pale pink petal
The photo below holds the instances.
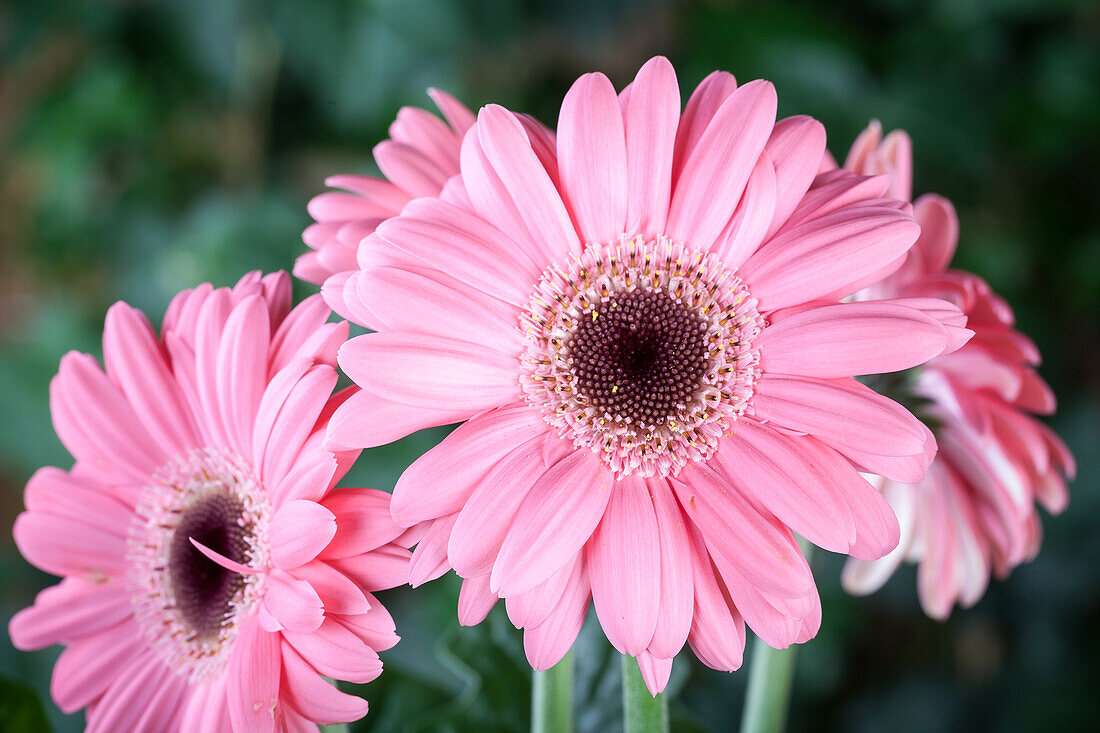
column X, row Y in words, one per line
column 651, row 116
column 334, row 651
column 717, row 630
column 622, row 557
column 366, row 420
column 677, row 589
column 466, row 247
column 939, row 231
column 840, row 412
column 861, row 577
column 507, row 149
column 207, row 708
column 457, row 115
column 253, row 679
column 796, row 147
column 428, row 134
column 752, row 217
column 490, row 511
column 299, row 530
column 759, row 548
column 293, row 332
column 89, row 665
column 439, row 482
column 288, row 411
column 242, row 370
column 714, row 176
column 532, row 607
column 363, row 522
column 655, row 672
column 592, row 158
column 338, row 593
column 555, row 520
column 410, row 169
column 292, row 603
column 69, row 610
column 96, row 423
column 386, row 567
column 136, row 362
column 548, row 642
column 475, row 600
column 833, row 191
column 65, row 545
column 830, row 254
column 429, row 559
column 699, row 111
column 141, row 680
column 417, row 303
column 850, row 338
column 312, row 696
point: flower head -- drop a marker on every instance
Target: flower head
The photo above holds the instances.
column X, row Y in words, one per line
column 212, row 574
column 639, row 324
column 974, row 513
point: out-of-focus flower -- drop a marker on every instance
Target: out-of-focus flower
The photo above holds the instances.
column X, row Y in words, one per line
column 212, row 574
column 418, row 159
column 639, row 323
column 974, row 513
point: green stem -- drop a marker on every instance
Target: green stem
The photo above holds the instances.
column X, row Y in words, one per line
column 642, row 712
column 552, row 698
column 770, row 676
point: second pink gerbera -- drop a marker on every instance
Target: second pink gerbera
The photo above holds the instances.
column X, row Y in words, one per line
column 640, row 325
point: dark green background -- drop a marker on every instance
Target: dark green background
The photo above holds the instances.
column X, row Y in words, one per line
column 148, row 146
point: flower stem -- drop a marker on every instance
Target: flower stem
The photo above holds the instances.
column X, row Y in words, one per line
column 642, row 712
column 552, row 698
column 770, row 676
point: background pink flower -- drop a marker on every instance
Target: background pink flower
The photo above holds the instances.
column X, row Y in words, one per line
column 212, row 574
column 639, row 323
column 974, row 513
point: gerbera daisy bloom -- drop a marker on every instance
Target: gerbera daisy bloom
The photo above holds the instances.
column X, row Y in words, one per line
column 212, row 574
column 640, row 327
column 974, row 513
column 418, row 159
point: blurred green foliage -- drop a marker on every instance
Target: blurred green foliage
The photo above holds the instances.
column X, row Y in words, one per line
column 149, row 146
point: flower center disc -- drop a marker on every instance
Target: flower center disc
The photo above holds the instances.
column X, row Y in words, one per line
column 641, row 351
column 187, row 604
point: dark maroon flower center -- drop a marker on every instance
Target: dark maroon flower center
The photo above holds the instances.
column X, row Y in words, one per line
column 640, row 355
column 203, row 590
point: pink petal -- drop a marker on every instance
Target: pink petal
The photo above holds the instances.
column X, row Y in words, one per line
column 548, row 642
column 592, row 158
column 428, row 134
column 759, row 549
column 299, row 531
column 532, row 607
column 292, row 603
column 429, row 560
column 431, row 371
column 242, row 370
column 939, row 231
column 526, row 183
column 386, row 567
column 65, row 545
column 717, row 629
column 830, row 254
column 65, row 612
column 410, row 169
column 796, row 146
column 622, row 557
column 287, row 415
column 833, row 191
column 363, row 522
column 850, row 338
column 839, row 411
column 367, row 420
column 136, row 362
column 304, row 321
column 140, row 680
column 336, row 652
column 488, row 514
column 310, row 475
column 651, row 116
column 714, row 177
column 253, row 679
column 338, row 593
column 862, row 577
column 751, row 219
column 458, row 116
column 655, row 672
column 450, row 239
column 677, row 589
column 439, row 482
column 770, row 467
column 701, row 107
column 96, row 423
column 316, row 699
column 553, row 523
column 414, row 302
column 90, row 665
column 475, row 600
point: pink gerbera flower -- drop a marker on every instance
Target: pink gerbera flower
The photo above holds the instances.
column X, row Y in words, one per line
column 639, row 323
column 974, row 512
column 420, row 156
column 212, row 574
